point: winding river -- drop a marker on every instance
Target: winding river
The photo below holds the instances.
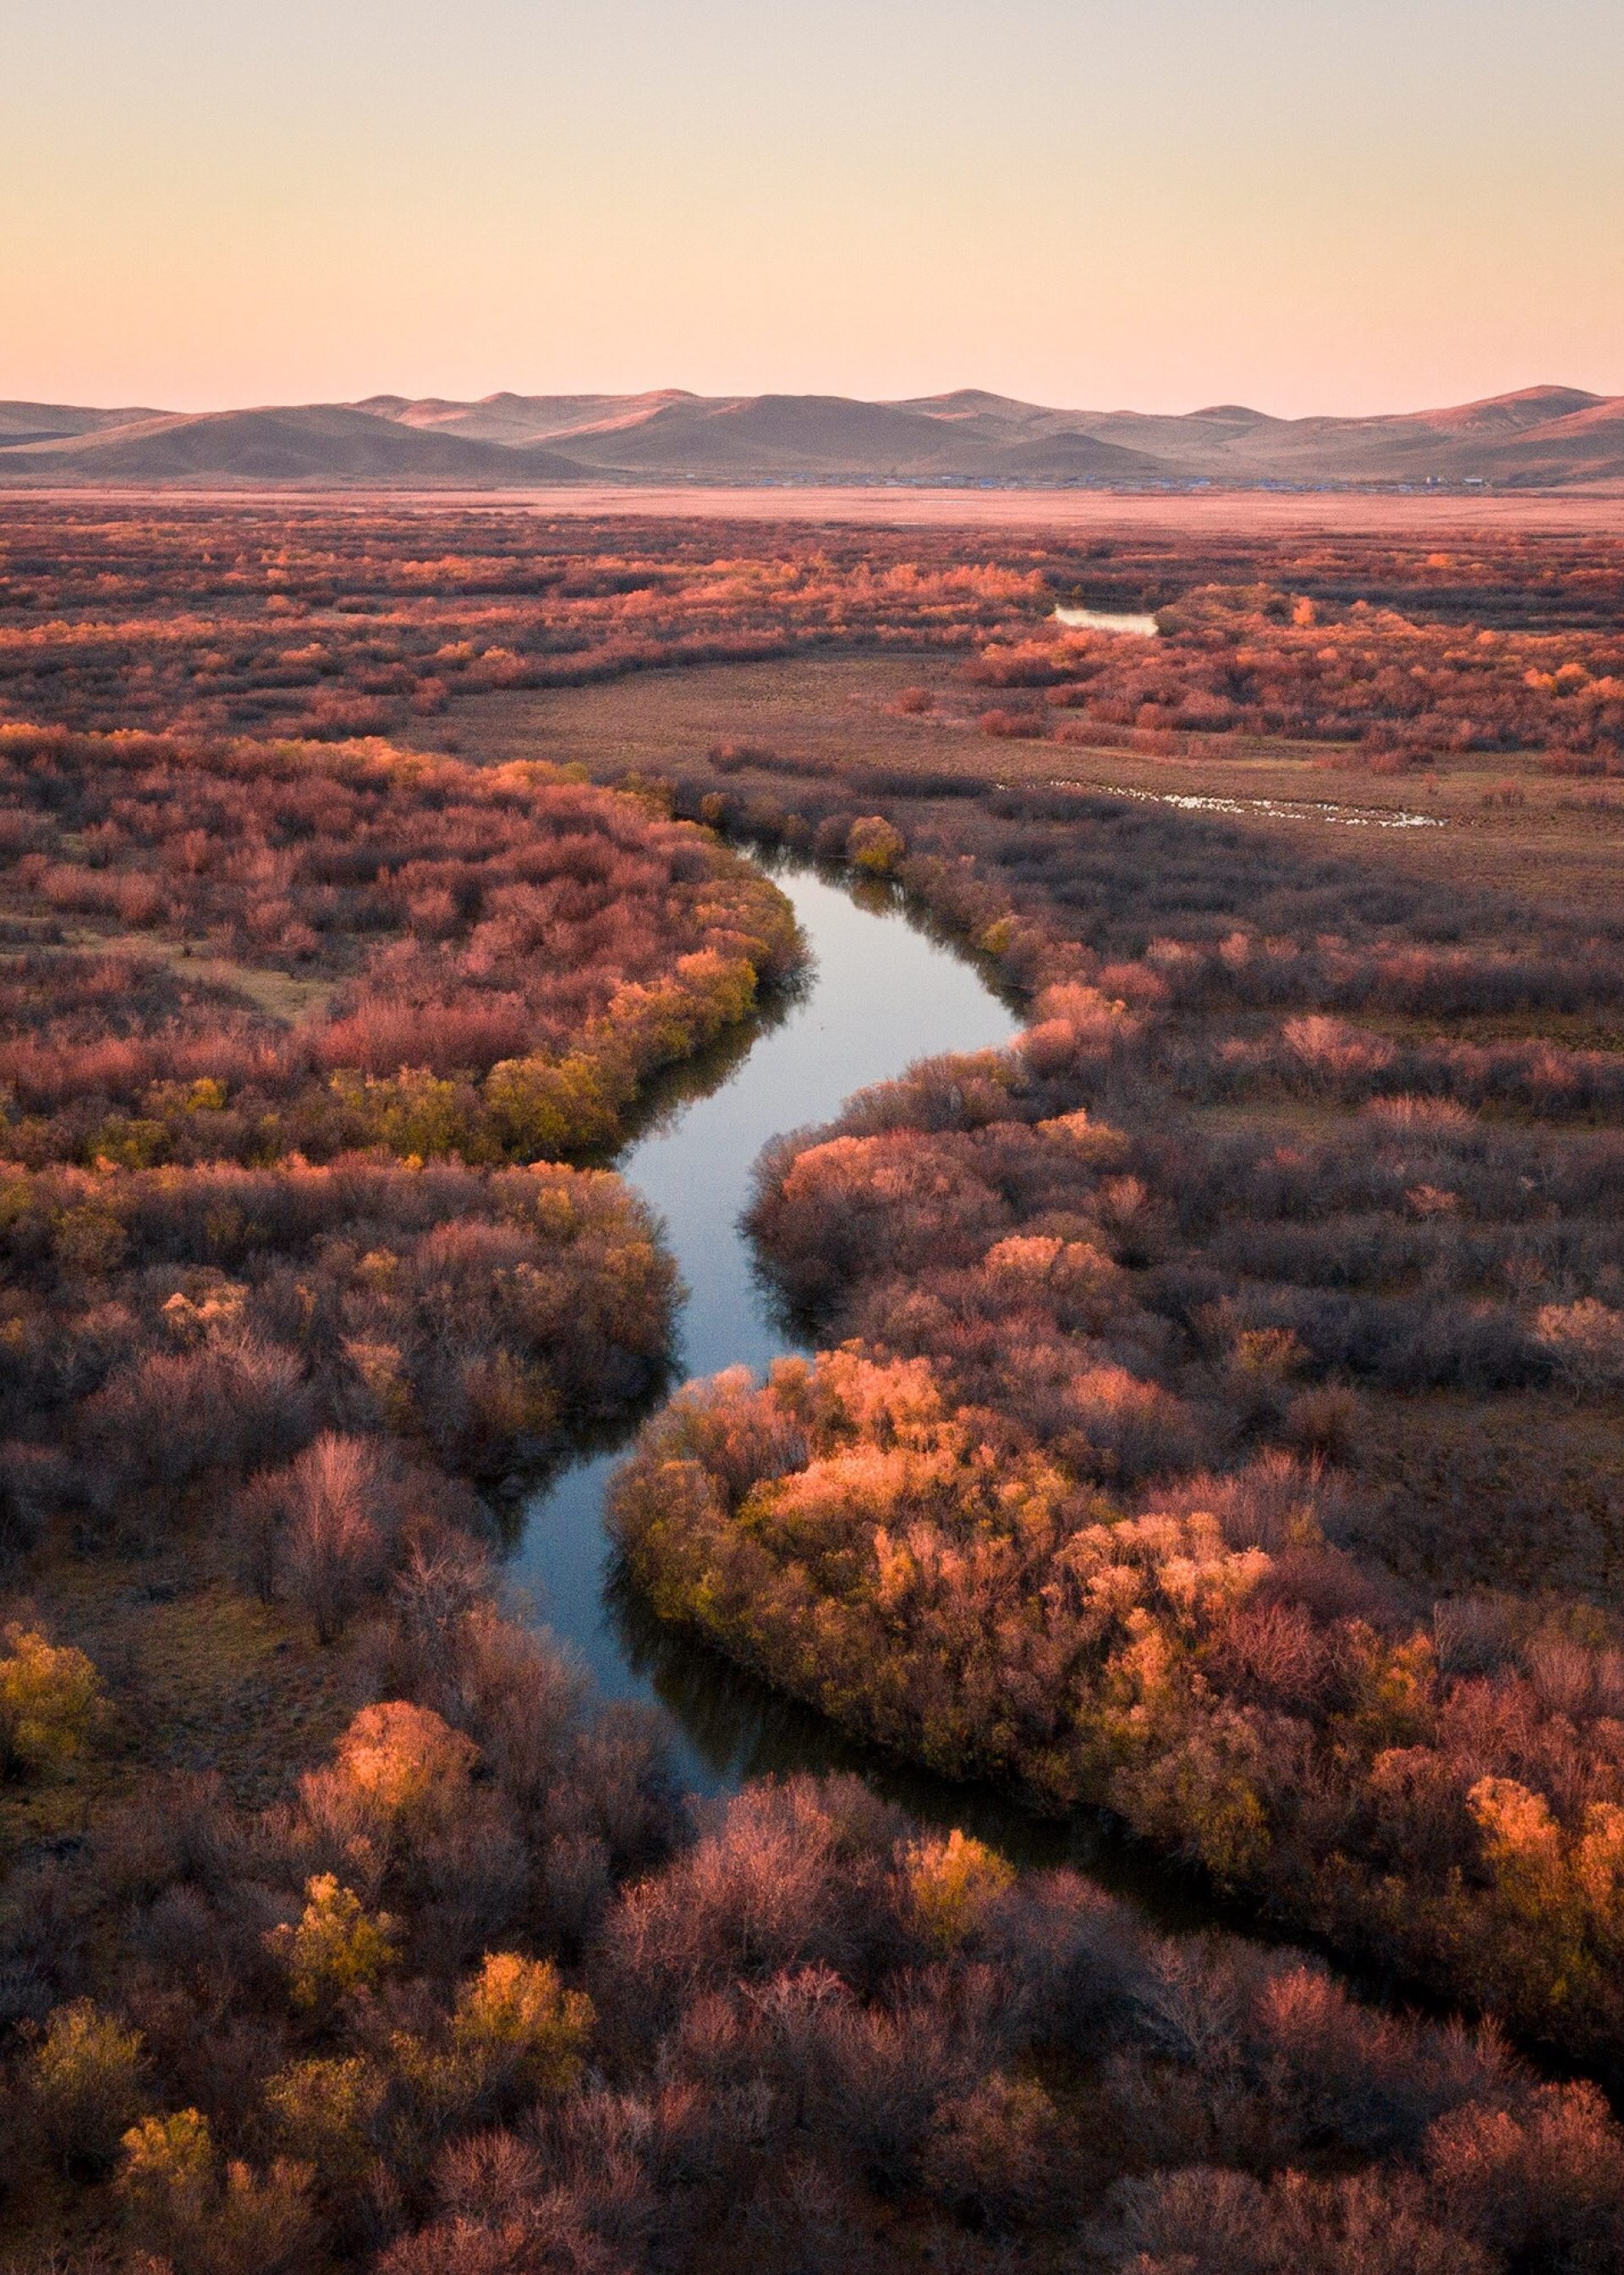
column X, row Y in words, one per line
column 882, row 991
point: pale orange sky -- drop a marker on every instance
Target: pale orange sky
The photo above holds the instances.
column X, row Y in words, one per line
column 1294, row 203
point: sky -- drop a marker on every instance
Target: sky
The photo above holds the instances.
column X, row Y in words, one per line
column 1306, row 205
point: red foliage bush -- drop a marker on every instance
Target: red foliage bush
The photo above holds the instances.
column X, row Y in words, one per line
column 985, row 1531
column 510, row 953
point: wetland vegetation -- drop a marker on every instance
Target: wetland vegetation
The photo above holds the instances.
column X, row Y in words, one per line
column 1206, row 1404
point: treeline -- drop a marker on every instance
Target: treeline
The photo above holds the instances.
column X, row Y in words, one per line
column 1256, row 660
column 334, row 625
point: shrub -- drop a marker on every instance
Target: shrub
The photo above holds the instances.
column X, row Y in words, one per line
column 952, row 1884
column 874, row 846
column 86, row 2082
column 166, row 2180
column 325, row 2112
column 518, row 2030
column 1586, row 1341
column 205, row 2220
column 1539, row 2187
column 405, row 1765
column 49, row 1697
column 336, row 1947
column 1226, row 2223
column 336, row 1551
column 1323, row 1422
column 544, row 1106
column 995, row 2153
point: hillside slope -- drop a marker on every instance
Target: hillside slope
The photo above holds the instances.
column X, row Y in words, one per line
column 1545, row 437
column 316, row 442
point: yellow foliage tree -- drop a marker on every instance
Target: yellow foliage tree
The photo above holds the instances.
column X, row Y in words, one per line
column 323, row 2112
column 874, row 845
column 951, row 1884
column 169, row 2171
column 48, row 1697
column 85, row 2078
column 515, row 2021
column 337, row 1946
column 199, row 2217
column 401, row 1759
column 1563, row 1891
column 544, row 1106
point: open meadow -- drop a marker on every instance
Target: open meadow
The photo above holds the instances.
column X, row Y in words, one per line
column 1208, row 1411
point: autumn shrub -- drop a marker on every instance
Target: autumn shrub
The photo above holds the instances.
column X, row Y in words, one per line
column 998, row 2152
column 951, row 1883
column 85, row 2082
column 325, row 2113
column 1542, row 2185
column 874, row 846
column 520, row 2033
column 49, row 1696
column 1229, row 2223
column 204, row 2218
column 336, row 1552
column 1586, row 1341
column 335, row 1945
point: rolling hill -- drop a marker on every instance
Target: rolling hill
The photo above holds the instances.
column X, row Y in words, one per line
column 56, row 422
column 1543, row 437
column 320, row 444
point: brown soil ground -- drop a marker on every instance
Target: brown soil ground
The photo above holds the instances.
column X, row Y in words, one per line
column 197, row 1676
column 1523, row 1492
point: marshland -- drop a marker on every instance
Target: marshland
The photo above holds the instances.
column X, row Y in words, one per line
column 1087, row 1295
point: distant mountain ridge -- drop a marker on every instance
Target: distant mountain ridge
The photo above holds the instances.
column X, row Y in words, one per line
column 1544, row 437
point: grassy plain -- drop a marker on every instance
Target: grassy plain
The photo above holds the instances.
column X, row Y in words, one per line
column 1019, row 512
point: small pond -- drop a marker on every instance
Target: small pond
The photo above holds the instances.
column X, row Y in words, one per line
column 1106, row 620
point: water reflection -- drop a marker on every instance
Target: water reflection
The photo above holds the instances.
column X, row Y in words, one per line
column 733, row 1728
column 1269, row 809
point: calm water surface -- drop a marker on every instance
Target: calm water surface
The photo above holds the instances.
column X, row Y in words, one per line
column 882, row 993
column 1106, row 620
